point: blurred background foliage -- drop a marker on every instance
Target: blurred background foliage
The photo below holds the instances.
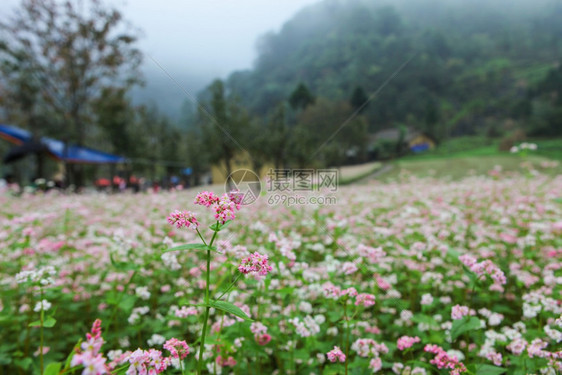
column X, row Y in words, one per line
column 486, row 70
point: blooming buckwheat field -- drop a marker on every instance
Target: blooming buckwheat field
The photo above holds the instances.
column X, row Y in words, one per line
column 420, row 276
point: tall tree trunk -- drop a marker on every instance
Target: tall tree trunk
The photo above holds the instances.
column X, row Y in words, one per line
column 228, row 165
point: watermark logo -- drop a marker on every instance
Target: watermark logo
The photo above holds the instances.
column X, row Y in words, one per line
column 292, row 187
column 301, row 180
column 246, row 183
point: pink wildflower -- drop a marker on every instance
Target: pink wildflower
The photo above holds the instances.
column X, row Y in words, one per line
column 230, row 362
column 405, row 342
column 443, row 360
column 335, row 355
column 331, row 291
column 368, row 347
column 351, row 291
column 185, row 311
column 496, row 358
column 89, row 355
column 183, row 219
column 177, row 348
column 486, row 267
column 382, row 283
column 459, row 311
column 45, row 350
column 236, row 197
column 375, row 364
column 365, row 299
column 147, row 362
column 255, row 263
column 224, row 209
column 206, row 198
column 263, row 339
column 93, row 364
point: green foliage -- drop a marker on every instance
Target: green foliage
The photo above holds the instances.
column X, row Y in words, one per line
column 466, row 324
column 326, row 133
column 462, row 72
column 223, row 126
column 229, row 308
column 301, row 97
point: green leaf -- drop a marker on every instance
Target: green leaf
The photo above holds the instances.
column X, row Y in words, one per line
column 52, row 368
column 24, row 363
column 468, row 323
column 489, row 370
column 217, row 226
column 47, row 323
column 192, row 246
column 230, row 308
column 123, row 266
column 69, row 358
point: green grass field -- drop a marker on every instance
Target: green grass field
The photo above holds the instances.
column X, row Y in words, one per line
column 462, row 166
column 482, row 146
column 476, row 155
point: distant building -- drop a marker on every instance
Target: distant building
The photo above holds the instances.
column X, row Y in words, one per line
column 413, row 140
column 241, row 160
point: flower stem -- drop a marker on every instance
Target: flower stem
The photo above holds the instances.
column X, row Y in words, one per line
column 181, row 366
column 231, row 285
column 207, row 308
column 41, row 334
column 207, row 300
column 347, row 335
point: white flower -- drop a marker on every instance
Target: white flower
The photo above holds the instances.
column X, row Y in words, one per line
column 305, row 307
column 142, row 292
column 113, row 354
column 124, row 342
column 456, row 353
column 426, row 299
column 156, row 339
column 43, row 305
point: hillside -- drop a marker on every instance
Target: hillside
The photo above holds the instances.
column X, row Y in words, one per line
column 460, row 68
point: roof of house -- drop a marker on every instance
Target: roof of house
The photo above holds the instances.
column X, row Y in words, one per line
column 70, row 153
column 393, row 134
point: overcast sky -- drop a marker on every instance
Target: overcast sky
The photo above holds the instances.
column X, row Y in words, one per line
column 194, row 41
column 211, row 37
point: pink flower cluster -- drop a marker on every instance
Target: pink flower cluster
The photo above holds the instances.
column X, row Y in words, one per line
column 375, row 364
column 365, row 299
column 177, row 348
column 226, row 362
column 206, row 198
column 183, row 219
column 141, row 362
column 443, row 360
column 405, row 342
column 147, row 362
column 255, row 263
column 334, row 292
column 224, row 206
column 458, row 312
column 335, row 355
column 90, row 356
column 483, row 268
column 260, row 333
column 369, row 347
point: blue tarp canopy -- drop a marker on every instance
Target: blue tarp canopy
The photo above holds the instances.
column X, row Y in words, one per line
column 420, row 147
column 72, row 154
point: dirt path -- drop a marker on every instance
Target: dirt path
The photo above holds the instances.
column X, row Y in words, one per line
column 373, row 176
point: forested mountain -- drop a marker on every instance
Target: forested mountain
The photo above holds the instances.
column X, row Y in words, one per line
column 448, row 67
